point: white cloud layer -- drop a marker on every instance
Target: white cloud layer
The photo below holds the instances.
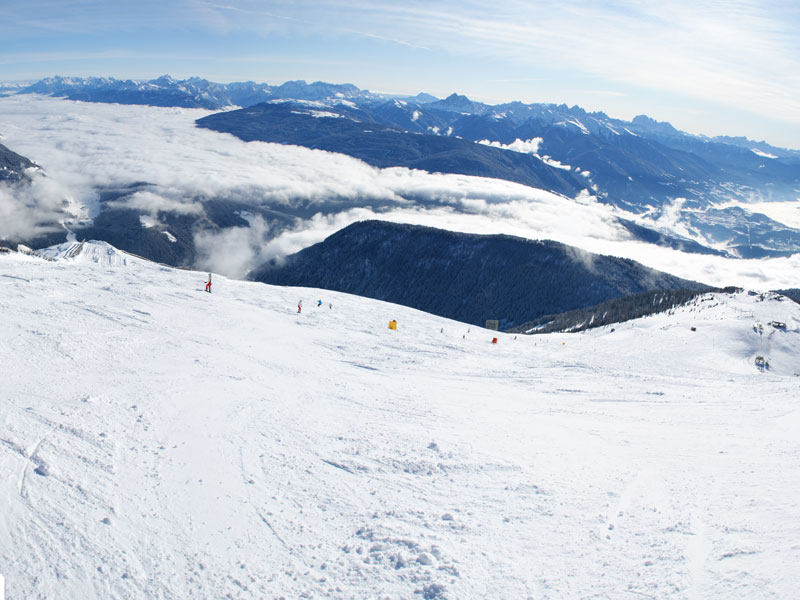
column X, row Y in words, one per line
column 531, row 147
column 524, row 220
column 85, row 146
column 27, row 211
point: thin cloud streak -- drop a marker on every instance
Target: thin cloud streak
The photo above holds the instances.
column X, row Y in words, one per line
column 55, row 57
column 735, row 53
column 720, row 52
column 737, row 56
column 758, row 274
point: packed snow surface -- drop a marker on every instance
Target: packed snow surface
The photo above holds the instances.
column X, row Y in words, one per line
column 157, row 441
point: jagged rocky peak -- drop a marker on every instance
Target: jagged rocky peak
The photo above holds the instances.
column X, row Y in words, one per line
column 302, row 90
column 422, row 98
column 650, row 125
column 455, row 98
column 459, row 103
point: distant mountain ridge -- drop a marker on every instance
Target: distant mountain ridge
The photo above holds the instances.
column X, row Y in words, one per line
column 194, row 92
column 679, row 189
column 202, row 93
column 385, row 146
column 467, row 277
column 643, row 167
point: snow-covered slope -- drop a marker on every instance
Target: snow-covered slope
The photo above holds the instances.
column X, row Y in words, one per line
column 160, row 442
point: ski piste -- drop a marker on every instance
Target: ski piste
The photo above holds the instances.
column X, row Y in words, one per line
column 158, row 442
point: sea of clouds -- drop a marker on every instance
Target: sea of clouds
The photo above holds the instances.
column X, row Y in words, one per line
column 83, row 147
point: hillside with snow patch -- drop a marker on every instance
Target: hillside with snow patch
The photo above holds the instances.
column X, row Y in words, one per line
column 160, row 442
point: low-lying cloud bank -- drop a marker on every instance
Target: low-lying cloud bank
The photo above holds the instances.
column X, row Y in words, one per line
column 763, row 274
column 85, row 147
column 32, row 210
column 531, row 147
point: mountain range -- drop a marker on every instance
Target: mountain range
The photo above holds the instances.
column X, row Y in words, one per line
column 641, row 166
column 194, row 92
column 672, row 189
column 359, row 133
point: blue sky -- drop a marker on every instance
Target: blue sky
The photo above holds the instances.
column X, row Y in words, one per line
column 717, row 67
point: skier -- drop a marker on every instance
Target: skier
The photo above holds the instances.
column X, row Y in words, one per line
column 299, row 306
column 208, row 284
column 319, row 303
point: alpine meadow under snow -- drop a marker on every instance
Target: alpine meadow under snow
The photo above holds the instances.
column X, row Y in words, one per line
column 161, row 442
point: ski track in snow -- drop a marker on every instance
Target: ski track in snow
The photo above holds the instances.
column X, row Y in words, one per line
column 160, row 442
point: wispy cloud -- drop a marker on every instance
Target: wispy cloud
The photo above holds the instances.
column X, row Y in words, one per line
column 737, row 54
column 734, row 52
column 29, row 17
column 256, row 16
column 603, row 93
column 59, row 57
column 519, row 80
column 28, row 211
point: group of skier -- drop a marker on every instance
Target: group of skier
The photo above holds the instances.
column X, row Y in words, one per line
column 319, row 303
column 299, row 302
